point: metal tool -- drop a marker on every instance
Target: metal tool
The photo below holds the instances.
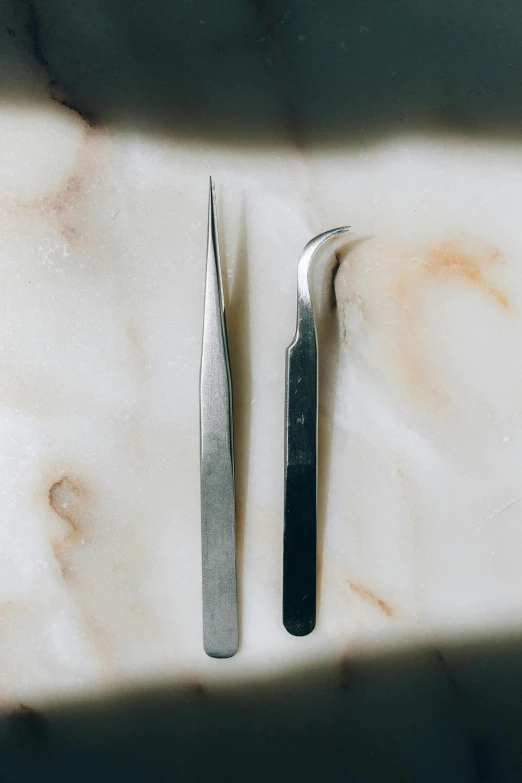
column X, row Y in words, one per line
column 300, row 516
column 218, row 517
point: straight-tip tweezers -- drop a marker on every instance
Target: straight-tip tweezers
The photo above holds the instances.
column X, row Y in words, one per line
column 218, row 522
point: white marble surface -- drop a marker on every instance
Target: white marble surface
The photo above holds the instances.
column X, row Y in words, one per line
column 102, row 253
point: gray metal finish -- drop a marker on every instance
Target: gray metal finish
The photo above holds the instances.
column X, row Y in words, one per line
column 218, row 524
column 300, row 509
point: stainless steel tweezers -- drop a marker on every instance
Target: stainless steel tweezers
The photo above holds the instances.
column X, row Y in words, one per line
column 218, row 523
column 300, row 531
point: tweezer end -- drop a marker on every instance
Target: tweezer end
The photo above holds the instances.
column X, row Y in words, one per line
column 299, row 627
column 224, row 652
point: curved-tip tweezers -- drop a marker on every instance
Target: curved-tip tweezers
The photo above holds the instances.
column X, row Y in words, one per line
column 218, row 517
column 300, row 516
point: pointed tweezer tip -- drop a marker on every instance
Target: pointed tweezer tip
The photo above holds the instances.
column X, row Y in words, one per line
column 212, row 204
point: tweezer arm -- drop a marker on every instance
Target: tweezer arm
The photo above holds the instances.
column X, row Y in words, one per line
column 220, row 617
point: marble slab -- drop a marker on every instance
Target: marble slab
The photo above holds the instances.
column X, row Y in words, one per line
column 398, row 122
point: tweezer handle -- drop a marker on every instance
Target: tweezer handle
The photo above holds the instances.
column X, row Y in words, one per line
column 300, row 514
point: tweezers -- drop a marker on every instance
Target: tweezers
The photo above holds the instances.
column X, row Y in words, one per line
column 218, row 534
column 300, row 500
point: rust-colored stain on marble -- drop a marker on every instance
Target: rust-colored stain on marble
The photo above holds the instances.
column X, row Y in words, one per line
column 62, row 202
column 401, row 295
column 443, row 261
column 417, row 373
column 62, row 198
column 372, row 599
column 67, row 498
column 411, row 274
column 69, row 233
column 72, row 500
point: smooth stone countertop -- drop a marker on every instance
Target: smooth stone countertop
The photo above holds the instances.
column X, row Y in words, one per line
column 399, row 119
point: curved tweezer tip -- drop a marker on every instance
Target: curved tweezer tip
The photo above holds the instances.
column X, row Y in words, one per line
column 309, row 251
